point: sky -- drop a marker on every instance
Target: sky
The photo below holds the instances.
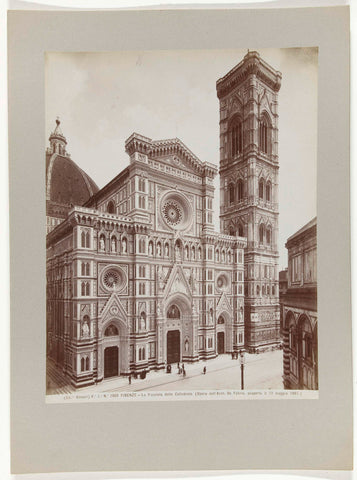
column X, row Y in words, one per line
column 102, row 98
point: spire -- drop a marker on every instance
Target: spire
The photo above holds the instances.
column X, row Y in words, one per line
column 57, row 140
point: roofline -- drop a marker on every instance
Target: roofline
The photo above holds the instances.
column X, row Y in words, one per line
column 307, row 226
column 107, row 187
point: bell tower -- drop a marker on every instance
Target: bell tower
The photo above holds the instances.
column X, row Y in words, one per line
column 248, row 99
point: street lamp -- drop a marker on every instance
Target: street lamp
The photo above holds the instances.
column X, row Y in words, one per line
column 242, row 363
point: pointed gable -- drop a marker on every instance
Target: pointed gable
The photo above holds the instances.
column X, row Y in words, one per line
column 223, row 305
column 114, row 309
column 177, row 283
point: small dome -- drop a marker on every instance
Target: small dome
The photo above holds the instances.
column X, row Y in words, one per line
column 66, row 183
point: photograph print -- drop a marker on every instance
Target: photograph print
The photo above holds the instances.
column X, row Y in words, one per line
column 181, row 228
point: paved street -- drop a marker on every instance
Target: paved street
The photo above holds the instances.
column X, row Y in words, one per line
column 261, row 372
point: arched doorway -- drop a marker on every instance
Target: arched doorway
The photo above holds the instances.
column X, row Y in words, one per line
column 173, row 346
column 173, row 338
column 220, row 343
column 113, row 349
column 111, row 362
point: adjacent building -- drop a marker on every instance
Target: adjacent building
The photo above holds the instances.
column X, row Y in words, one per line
column 299, row 309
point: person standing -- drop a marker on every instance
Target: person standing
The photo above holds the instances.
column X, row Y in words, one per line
column 129, row 379
column 204, row 370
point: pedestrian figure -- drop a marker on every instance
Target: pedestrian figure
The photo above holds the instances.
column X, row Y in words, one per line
column 232, row 355
column 129, row 379
column 184, row 372
column 178, row 365
column 204, row 370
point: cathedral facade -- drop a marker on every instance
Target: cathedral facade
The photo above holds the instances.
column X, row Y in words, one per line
column 137, row 277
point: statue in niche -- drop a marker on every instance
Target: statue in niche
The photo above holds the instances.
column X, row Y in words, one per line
column 166, row 250
column 114, row 245
column 85, row 329
column 186, row 345
column 102, row 244
column 124, row 245
column 150, row 248
column 158, row 249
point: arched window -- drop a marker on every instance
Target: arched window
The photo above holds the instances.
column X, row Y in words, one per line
column 237, row 138
column 83, row 240
column 87, row 269
column 231, row 193
column 240, row 189
column 273, row 290
column 261, row 188
column 223, row 256
column 87, row 363
column 258, row 290
column 268, row 290
column 111, row 331
column 186, row 252
column 87, row 289
column 268, row 192
column 261, row 233
column 82, row 364
column 173, row 312
column 217, row 255
column 240, row 230
column 232, row 231
column 87, row 240
column 263, row 290
column 83, row 270
column 139, row 353
column 111, row 207
column 83, row 289
column 268, row 235
column 263, row 135
column 143, row 353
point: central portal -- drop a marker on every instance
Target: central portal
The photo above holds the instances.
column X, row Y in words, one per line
column 173, row 346
column 111, row 362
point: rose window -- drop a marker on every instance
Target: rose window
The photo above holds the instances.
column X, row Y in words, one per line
column 172, row 212
column 112, row 279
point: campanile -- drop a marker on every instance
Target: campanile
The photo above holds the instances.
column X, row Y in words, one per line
column 249, row 165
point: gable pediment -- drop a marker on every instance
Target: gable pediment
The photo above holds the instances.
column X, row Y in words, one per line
column 177, row 283
column 223, row 305
column 114, row 309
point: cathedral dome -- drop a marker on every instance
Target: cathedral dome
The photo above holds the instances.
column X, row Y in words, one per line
column 66, row 183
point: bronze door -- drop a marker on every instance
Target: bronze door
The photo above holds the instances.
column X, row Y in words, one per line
column 173, row 346
column 110, row 362
column 220, row 342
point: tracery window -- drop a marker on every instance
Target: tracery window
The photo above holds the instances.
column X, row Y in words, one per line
column 261, row 189
column 237, row 138
column 261, row 233
column 263, row 135
column 240, row 189
column 231, row 193
column 268, row 192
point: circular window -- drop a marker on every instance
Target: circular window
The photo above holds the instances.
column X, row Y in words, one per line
column 222, row 282
column 172, row 212
column 176, row 211
column 113, row 278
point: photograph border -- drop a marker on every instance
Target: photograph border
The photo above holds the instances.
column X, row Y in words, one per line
column 298, row 434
